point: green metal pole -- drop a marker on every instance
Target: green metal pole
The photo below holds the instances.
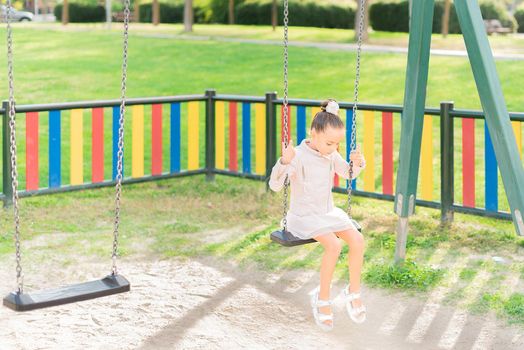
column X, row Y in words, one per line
column 421, row 22
column 6, row 157
column 494, row 106
column 210, row 135
column 271, row 134
column 446, row 161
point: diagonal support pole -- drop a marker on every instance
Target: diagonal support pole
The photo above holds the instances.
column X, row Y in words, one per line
column 412, row 117
column 494, row 106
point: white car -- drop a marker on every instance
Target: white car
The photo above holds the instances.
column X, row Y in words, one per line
column 16, row 16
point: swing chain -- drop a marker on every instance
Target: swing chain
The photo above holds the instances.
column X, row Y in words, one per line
column 355, row 99
column 12, row 129
column 120, row 153
column 285, row 108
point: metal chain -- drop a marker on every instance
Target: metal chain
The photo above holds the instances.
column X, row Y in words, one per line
column 285, row 107
column 355, row 100
column 120, row 153
column 12, row 129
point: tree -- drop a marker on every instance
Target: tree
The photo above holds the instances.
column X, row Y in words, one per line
column 445, row 18
column 108, row 14
column 156, row 13
column 136, row 12
column 365, row 23
column 188, row 16
column 231, row 11
column 65, row 12
column 274, row 15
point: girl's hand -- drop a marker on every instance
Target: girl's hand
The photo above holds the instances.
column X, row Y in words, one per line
column 357, row 157
column 288, row 153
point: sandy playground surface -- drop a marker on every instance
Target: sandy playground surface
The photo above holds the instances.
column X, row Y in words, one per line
column 210, row 304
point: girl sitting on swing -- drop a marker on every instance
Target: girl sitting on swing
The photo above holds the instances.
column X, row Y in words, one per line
column 311, row 167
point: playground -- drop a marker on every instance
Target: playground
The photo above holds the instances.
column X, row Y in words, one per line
column 193, row 230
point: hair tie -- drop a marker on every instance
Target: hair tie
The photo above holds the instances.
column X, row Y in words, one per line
column 332, row 107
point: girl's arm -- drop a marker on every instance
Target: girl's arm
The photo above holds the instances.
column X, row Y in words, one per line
column 342, row 166
column 278, row 174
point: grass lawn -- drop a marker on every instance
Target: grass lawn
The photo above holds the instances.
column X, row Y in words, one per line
column 55, row 65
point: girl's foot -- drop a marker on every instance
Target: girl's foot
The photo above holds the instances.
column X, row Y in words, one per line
column 354, row 307
column 321, row 311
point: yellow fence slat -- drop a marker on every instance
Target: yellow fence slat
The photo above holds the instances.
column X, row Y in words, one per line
column 426, row 159
column 77, row 142
column 369, row 151
column 518, row 135
column 260, row 138
column 220, row 136
column 192, row 135
column 314, row 111
column 137, row 134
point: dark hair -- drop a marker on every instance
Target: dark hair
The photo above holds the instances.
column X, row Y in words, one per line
column 323, row 119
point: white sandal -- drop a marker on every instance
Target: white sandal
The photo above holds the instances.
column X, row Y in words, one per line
column 357, row 314
column 321, row 318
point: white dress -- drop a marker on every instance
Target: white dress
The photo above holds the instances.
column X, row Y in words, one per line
column 311, row 210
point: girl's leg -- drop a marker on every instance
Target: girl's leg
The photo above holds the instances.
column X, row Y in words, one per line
column 332, row 248
column 355, row 241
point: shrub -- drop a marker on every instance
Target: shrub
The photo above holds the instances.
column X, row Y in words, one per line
column 82, row 13
column 307, row 14
column 171, row 13
column 519, row 17
column 394, row 16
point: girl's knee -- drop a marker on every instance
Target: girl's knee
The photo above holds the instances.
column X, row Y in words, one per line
column 334, row 246
column 356, row 238
column 359, row 237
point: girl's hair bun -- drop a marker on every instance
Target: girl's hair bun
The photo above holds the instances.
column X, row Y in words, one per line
column 328, row 116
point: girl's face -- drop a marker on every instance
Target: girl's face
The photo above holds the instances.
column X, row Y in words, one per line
column 327, row 141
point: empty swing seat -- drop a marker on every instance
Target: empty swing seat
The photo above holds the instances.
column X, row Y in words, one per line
column 286, row 239
column 112, row 284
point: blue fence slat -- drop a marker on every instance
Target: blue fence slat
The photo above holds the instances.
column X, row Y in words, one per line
column 301, row 124
column 491, row 193
column 55, row 178
column 246, row 137
column 349, row 133
column 116, row 126
column 175, row 136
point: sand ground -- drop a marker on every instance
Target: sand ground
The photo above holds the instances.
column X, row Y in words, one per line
column 210, row 304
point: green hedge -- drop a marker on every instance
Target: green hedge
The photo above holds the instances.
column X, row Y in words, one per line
column 171, row 13
column 389, row 17
column 220, row 10
column 394, row 16
column 82, row 13
column 519, row 17
column 307, row 14
column 168, row 13
column 246, row 12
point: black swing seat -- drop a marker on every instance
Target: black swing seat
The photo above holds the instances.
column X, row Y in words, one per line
column 112, row 284
column 286, row 239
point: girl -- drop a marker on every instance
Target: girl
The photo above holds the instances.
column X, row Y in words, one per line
column 311, row 167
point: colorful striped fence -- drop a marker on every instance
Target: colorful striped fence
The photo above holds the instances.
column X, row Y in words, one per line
column 381, row 170
column 251, row 124
column 75, row 138
column 491, row 175
column 165, row 138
